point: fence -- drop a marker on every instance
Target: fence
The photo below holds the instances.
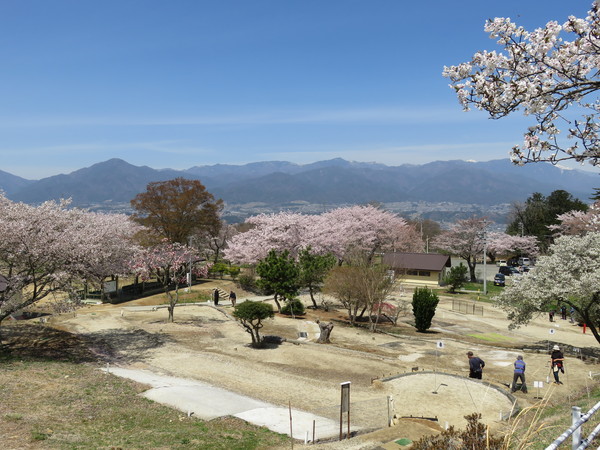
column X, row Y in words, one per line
column 575, row 430
column 467, row 307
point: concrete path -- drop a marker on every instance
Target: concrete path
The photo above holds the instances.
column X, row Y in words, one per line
column 208, row 402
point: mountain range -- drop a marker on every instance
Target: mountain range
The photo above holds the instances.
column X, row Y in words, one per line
column 333, row 182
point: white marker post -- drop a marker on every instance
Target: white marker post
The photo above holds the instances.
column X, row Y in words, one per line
column 538, row 385
column 345, row 407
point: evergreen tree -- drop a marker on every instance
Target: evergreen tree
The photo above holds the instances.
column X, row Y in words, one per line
column 424, row 303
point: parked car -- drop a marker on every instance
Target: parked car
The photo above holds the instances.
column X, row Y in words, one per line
column 505, row 270
column 524, row 261
column 502, row 262
column 499, row 280
column 509, row 270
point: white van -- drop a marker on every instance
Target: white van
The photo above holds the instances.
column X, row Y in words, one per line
column 524, row 262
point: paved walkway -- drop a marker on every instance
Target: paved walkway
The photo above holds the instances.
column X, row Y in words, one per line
column 208, row 402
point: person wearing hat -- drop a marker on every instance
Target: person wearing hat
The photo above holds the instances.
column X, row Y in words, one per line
column 557, row 363
column 519, row 375
column 476, row 366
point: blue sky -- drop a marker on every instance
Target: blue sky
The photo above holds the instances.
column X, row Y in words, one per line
column 181, row 83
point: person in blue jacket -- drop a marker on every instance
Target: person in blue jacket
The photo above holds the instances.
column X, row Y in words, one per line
column 519, row 375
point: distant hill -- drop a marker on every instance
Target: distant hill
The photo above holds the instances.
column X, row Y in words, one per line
column 331, row 182
column 10, row 183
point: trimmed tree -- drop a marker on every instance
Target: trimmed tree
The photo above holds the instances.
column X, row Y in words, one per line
column 424, row 303
column 251, row 314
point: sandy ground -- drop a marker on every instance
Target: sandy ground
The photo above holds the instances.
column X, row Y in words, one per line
column 206, row 344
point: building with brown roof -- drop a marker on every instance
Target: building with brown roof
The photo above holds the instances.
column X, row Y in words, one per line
column 418, row 268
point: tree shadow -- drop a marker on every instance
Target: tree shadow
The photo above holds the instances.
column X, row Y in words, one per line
column 40, row 342
column 126, row 346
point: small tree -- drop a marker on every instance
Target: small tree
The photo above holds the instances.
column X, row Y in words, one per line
column 251, row 314
column 169, row 263
column 313, row 269
column 279, row 274
column 424, row 303
column 456, row 278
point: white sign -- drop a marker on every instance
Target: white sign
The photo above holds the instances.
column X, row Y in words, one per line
column 538, row 384
column 552, row 331
column 110, row 286
column 345, row 396
column 440, row 344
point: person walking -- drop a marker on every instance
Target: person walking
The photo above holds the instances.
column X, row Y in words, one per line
column 215, row 297
column 476, row 366
column 557, row 361
column 519, row 375
column 232, row 298
column 563, row 312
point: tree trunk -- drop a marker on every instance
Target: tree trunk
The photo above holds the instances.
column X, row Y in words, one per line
column 277, row 303
column 325, row 332
column 312, row 297
column 472, row 265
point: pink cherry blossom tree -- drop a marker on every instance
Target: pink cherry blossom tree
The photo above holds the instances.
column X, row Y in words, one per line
column 502, row 244
column 364, row 228
column 578, row 222
column 169, row 263
column 464, row 239
column 548, row 77
column 50, row 248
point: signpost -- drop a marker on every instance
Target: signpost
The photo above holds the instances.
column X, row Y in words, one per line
column 345, row 407
column 538, row 385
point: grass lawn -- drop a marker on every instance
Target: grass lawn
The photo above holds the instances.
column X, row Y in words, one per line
column 551, row 421
column 70, row 404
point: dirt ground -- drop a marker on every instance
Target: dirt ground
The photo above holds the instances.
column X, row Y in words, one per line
column 207, row 344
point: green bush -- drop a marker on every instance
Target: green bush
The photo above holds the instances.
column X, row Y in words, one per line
column 294, row 305
column 247, row 283
column 234, row 271
column 456, row 278
column 424, row 303
column 217, row 270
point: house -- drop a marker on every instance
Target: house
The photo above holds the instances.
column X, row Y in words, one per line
column 418, row 268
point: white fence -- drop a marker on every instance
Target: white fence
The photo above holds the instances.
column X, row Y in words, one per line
column 575, row 430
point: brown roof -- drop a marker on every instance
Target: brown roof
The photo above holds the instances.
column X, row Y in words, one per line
column 420, row 261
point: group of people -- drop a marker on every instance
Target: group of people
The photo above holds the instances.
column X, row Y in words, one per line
column 216, row 296
column 476, row 365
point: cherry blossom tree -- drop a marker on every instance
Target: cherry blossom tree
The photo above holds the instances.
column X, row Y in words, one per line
column 282, row 231
column 546, row 76
column 464, row 239
column 336, row 232
column 106, row 245
column 50, row 249
column 579, row 222
column 502, row 244
column 169, row 263
column 569, row 274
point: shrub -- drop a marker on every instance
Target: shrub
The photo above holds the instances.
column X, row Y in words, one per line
column 234, row 271
column 456, row 278
column 247, row 283
column 424, row 304
column 293, row 307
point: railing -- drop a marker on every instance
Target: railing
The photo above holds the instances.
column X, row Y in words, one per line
column 575, row 430
column 467, row 307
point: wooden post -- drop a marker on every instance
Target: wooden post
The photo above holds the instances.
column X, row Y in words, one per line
column 291, row 430
column 345, row 406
